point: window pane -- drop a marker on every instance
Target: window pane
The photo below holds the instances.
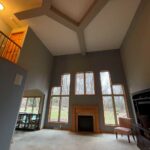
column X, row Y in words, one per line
column 118, row 89
column 64, row 109
column 36, row 105
column 105, row 82
column 23, row 105
column 54, row 112
column 55, row 91
column 89, row 78
column 65, row 84
column 30, row 103
column 120, row 107
column 108, row 110
column 80, row 84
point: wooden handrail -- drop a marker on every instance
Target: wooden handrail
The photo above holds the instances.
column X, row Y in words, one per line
column 10, row 39
column 9, row 49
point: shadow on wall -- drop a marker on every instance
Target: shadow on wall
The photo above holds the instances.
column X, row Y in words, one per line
column 33, row 92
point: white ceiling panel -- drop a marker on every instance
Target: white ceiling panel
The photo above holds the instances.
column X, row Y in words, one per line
column 105, row 32
column 59, row 39
column 74, row 9
column 109, row 27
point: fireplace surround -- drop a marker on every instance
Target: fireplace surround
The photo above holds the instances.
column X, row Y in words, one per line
column 87, row 111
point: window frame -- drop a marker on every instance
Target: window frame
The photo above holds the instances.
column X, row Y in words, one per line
column 84, row 80
column 61, row 84
column 60, row 100
column 113, row 100
column 27, row 97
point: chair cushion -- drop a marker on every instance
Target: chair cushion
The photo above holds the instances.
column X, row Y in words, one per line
column 122, row 130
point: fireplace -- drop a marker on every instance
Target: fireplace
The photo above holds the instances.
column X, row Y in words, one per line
column 85, row 118
column 85, row 123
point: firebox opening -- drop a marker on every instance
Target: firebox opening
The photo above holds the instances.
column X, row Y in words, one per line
column 85, row 124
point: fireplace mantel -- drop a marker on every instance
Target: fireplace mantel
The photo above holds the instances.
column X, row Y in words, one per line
column 85, row 111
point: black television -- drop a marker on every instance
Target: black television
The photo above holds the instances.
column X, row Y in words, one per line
column 141, row 102
column 142, row 109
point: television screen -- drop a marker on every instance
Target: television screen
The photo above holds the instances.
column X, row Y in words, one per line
column 144, row 108
column 143, row 113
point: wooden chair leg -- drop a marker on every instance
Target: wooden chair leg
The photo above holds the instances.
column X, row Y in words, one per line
column 116, row 135
column 133, row 136
column 128, row 138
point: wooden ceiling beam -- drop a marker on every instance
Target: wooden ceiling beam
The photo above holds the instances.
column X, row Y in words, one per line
column 46, row 9
column 35, row 12
column 62, row 19
column 82, row 43
column 95, row 9
column 47, row 4
column 30, row 13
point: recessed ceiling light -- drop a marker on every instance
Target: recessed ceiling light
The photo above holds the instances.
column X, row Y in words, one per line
column 1, row 6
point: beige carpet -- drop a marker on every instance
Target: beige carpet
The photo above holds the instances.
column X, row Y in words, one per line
column 65, row 140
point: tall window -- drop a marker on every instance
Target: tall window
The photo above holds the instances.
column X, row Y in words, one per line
column 30, row 105
column 114, row 102
column 84, row 84
column 59, row 106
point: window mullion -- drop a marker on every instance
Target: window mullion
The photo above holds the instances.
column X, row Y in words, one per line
column 115, row 113
column 32, row 104
column 26, row 104
column 126, row 105
column 59, row 108
column 39, row 106
column 84, row 84
column 50, row 107
column 60, row 102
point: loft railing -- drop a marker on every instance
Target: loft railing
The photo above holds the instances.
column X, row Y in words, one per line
column 8, row 48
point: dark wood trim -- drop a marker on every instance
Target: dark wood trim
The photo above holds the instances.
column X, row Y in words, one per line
column 11, row 39
column 85, row 110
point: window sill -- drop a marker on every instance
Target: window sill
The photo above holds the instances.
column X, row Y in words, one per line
column 111, row 125
column 51, row 122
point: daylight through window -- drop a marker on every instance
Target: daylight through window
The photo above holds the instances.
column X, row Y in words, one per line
column 59, row 105
column 30, row 105
column 84, row 84
column 114, row 102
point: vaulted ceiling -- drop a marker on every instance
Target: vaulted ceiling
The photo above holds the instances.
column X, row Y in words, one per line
column 74, row 26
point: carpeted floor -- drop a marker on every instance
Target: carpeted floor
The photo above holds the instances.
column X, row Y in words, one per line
column 65, row 140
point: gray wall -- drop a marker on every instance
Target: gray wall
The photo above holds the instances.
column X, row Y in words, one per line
column 136, row 50
column 96, row 62
column 10, row 99
column 37, row 60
